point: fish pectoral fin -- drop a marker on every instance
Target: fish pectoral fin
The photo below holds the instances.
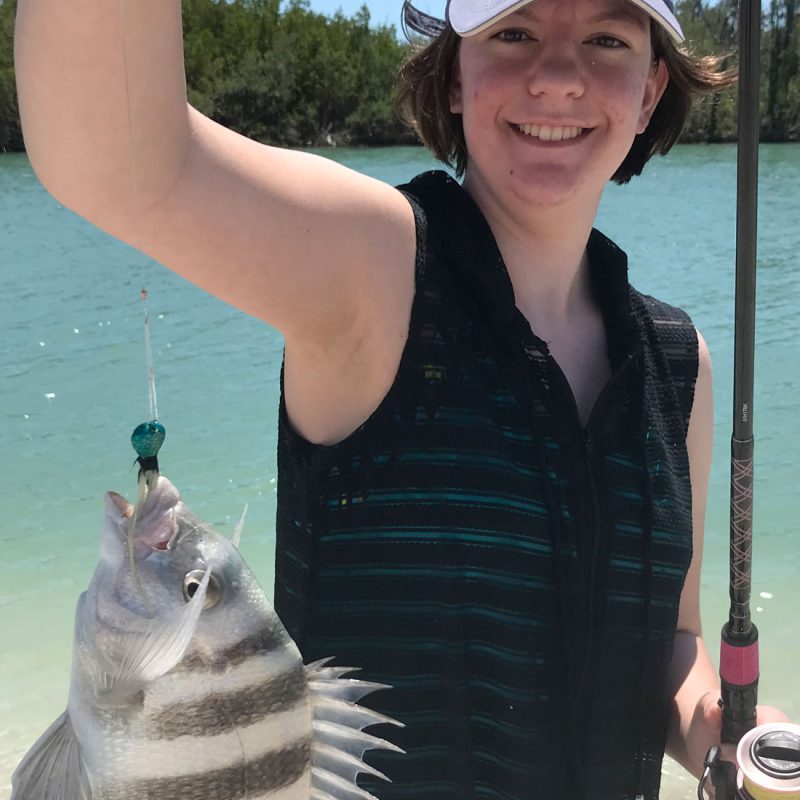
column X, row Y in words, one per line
column 53, row 769
column 152, row 655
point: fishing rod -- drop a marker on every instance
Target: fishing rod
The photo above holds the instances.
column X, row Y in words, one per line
column 769, row 755
column 739, row 651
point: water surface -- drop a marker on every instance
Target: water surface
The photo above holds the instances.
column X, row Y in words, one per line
column 73, row 388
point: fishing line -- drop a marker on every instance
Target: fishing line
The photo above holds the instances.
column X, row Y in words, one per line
column 129, row 118
column 151, row 377
column 147, row 437
column 757, row 793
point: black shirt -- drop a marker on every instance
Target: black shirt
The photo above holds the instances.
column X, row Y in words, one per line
column 513, row 576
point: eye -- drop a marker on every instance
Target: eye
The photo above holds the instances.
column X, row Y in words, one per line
column 611, row 42
column 512, row 35
column 191, row 583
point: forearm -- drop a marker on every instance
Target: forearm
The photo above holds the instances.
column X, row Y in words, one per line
column 78, row 64
column 692, row 675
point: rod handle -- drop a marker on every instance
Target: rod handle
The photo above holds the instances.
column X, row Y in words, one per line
column 739, row 673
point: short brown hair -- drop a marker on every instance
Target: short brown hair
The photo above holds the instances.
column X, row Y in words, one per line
column 423, row 99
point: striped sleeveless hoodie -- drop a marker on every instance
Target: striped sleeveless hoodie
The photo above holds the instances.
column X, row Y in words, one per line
column 514, row 576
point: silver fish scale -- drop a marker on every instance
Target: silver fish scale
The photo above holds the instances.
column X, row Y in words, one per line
column 261, row 776
column 221, row 712
column 263, row 641
column 209, row 747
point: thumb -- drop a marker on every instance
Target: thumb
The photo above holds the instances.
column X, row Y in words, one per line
column 709, row 710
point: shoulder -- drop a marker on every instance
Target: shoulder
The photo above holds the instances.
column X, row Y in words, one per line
column 430, row 188
column 441, row 204
column 665, row 316
column 676, row 333
column 680, row 348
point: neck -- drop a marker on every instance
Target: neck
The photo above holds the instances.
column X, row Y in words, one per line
column 544, row 250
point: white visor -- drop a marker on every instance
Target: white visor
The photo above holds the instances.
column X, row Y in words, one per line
column 469, row 17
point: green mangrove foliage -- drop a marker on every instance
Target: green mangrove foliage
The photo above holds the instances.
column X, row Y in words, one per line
column 10, row 131
column 292, row 76
column 711, row 28
column 280, row 73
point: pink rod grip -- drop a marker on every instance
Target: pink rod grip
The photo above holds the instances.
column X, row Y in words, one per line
column 738, row 665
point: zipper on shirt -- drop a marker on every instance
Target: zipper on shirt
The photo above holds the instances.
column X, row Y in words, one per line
column 595, row 510
column 587, row 442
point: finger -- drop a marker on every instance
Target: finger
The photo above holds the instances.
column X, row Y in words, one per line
column 767, row 714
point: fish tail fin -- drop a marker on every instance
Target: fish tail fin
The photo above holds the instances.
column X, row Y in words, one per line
column 53, row 769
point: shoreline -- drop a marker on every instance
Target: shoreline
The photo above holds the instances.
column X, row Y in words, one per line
column 333, row 145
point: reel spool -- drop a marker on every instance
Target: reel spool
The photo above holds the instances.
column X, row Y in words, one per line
column 769, row 766
column 769, row 763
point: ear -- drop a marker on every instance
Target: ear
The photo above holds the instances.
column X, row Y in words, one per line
column 655, row 87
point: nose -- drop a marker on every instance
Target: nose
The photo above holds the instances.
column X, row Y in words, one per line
column 556, row 70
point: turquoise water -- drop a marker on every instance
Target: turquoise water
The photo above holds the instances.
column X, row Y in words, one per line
column 73, row 388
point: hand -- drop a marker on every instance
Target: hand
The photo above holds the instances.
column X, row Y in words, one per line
column 706, row 727
column 706, row 730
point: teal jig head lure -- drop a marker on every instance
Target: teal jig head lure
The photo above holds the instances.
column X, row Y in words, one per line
column 148, row 437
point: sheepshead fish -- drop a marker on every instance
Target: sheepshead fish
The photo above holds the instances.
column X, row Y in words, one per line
column 186, row 686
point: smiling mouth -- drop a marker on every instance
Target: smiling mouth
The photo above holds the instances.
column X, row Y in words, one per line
column 554, row 133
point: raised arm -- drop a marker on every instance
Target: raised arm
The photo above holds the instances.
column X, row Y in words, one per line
column 317, row 250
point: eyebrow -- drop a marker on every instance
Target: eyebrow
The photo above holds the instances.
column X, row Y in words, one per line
column 620, row 14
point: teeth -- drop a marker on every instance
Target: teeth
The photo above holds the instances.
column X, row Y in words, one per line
column 550, row 134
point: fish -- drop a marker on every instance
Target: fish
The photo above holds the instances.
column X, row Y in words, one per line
column 185, row 685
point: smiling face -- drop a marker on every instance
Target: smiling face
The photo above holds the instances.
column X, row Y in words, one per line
column 552, row 97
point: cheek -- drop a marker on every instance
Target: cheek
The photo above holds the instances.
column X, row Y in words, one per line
column 484, row 83
column 485, row 94
column 625, row 94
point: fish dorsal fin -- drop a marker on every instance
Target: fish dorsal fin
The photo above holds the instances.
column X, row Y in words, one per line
column 237, row 531
column 53, row 768
column 339, row 741
column 152, row 655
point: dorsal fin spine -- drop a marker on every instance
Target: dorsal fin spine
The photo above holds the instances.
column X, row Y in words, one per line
column 339, row 743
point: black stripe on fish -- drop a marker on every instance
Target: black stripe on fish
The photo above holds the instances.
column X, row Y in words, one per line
column 219, row 712
column 264, row 641
column 270, row 772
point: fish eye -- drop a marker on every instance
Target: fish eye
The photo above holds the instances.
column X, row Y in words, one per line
column 191, row 583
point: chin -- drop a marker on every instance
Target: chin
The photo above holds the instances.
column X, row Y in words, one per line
column 548, row 188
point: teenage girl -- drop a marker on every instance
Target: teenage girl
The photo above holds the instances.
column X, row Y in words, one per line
column 494, row 452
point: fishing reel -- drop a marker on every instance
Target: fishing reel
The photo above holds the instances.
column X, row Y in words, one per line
column 769, row 766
